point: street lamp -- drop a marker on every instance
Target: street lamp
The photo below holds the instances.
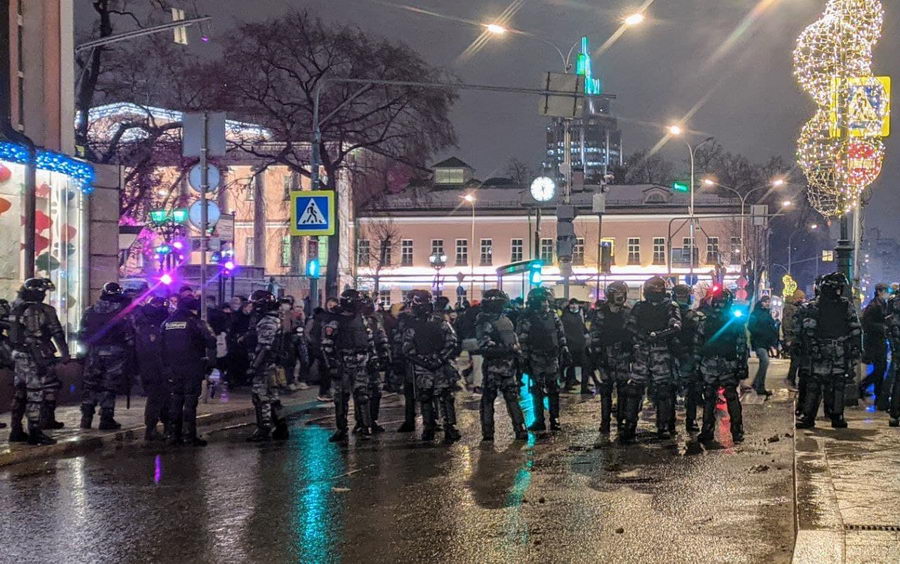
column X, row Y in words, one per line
column 438, row 261
column 676, row 131
column 496, row 29
column 634, row 19
column 470, row 198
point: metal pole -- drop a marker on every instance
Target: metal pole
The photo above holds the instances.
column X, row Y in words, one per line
column 472, row 263
column 140, row 33
column 691, row 252
column 743, row 244
column 204, row 216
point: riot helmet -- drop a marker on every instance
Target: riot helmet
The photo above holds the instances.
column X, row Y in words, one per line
column 352, row 301
column 494, row 300
column 655, row 290
column 368, row 306
column 420, row 303
column 189, row 303
column 617, row 293
column 159, row 302
column 112, row 291
column 35, row 289
column 263, row 301
column 720, row 299
column 683, row 294
column 539, row 299
column 833, row 285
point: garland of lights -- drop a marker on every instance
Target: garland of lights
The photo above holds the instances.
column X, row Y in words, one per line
column 835, row 48
column 54, row 162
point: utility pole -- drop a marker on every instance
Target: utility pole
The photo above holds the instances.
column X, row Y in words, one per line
column 204, row 208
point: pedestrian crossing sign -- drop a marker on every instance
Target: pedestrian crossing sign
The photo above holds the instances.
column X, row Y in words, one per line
column 312, row 213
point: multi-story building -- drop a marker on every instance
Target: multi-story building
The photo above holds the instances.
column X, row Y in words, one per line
column 596, row 141
column 647, row 227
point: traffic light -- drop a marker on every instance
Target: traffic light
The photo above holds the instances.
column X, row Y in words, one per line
column 681, row 186
column 536, row 273
column 312, row 268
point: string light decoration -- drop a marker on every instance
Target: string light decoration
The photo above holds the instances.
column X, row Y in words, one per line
column 79, row 171
column 835, row 48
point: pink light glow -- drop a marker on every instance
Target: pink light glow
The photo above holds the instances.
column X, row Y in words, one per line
column 178, row 245
column 166, row 279
column 229, row 265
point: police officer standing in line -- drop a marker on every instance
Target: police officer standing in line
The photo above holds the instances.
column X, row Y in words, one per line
column 378, row 362
column 6, row 360
column 543, row 341
column 266, row 339
column 404, row 372
column 499, row 345
column 689, row 380
column 829, row 333
column 34, row 330
column 429, row 344
column 720, row 349
column 893, row 332
column 187, row 346
column 347, row 346
column 147, row 320
column 107, row 332
column 612, row 349
column 654, row 324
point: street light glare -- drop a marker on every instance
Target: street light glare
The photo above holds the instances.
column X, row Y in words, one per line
column 675, row 130
column 469, row 198
column 635, row 19
column 709, row 182
column 814, row 226
column 787, row 203
column 496, row 29
column 778, row 182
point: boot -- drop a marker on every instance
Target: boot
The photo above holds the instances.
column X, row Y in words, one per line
column 406, row 427
column 107, row 423
column 87, row 417
column 339, row 436
column 810, row 406
column 37, row 437
column 451, row 433
column 516, row 416
column 837, row 405
column 428, row 420
column 281, row 433
column 735, row 414
column 48, row 416
column 665, row 411
column 340, row 412
column 709, row 415
column 486, row 415
column 409, row 410
column 537, row 398
column 554, row 412
column 195, row 441
column 17, row 434
column 605, row 410
column 894, row 422
column 634, row 395
column 374, row 412
column 151, row 434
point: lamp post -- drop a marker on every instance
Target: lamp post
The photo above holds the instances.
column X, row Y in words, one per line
column 677, row 131
column 813, row 227
column 777, row 183
column 438, row 261
column 470, row 198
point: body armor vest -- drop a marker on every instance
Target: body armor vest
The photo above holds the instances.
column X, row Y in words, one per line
column 429, row 338
column 352, row 334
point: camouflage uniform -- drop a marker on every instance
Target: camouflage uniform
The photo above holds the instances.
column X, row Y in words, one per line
column 429, row 344
column 347, row 346
column 612, row 350
column 379, row 359
column 402, row 372
column 267, row 335
column 107, row 331
column 689, row 380
column 543, row 339
column 34, row 327
column 829, row 334
column 893, row 331
column 498, row 344
column 720, row 355
column 653, row 330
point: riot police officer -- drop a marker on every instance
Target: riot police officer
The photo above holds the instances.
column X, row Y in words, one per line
column 893, row 332
column 6, row 360
column 379, row 360
column 402, row 371
column 429, row 344
column 720, row 351
column 688, row 377
column 347, row 346
column 499, row 345
column 147, row 320
column 34, row 330
column 829, row 333
column 543, row 341
column 109, row 337
column 265, row 339
column 187, row 345
column 612, row 351
column 653, row 323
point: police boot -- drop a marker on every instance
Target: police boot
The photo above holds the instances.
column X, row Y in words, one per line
column 837, row 404
column 537, row 397
column 409, row 410
column 634, row 395
column 810, row 409
column 802, row 386
column 16, row 433
column 87, row 416
column 486, row 415
column 710, row 398
column 690, row 410
column 357, row 416
column 48, row 416
column 107, row 423
column 451, row 433
column 37, row 437
column 735, row 414
column 261, row 433
column 428, row 420
column 553, row 400
column 374, row 412
column 605, row 410
column 515, row 415
column 665, row 409
column 280, row 432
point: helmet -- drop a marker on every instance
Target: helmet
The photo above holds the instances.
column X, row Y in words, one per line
column 442, row 303
column 35, row 289
column 537, row 297
column 682, row 293
column 833, row 285
column 368, row 306
column 420, row 302
column 188, row 303
column 158, row 301
column 262, row 300
column 494, row 300
column 111, row 291
column 617, row 293
column 352, row 301
column 4, row 308
column 655, row 290
column 720, row 298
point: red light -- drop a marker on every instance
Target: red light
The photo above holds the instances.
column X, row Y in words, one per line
column 716, row 289
column 166, row 279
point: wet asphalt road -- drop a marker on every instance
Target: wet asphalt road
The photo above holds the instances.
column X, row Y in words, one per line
column 569, row 497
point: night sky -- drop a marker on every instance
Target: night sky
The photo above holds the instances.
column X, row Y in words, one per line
column 729, row 59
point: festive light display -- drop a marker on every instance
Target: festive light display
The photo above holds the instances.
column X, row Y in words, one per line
column 48, row 160
column 832, row 63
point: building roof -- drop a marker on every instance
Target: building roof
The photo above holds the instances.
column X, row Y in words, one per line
column 452, row 162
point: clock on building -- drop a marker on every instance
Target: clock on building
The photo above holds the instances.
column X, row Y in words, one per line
column 543, row 189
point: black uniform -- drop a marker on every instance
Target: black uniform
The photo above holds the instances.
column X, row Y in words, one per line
column 611, row 347
column 187, row 344
column 108, row 334
column 405, row 372
column 689, row 380
column 147, row 321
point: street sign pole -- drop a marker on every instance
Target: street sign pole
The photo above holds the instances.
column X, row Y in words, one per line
column 204, row 215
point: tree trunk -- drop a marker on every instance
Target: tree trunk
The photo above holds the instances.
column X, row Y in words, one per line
column 332, row 272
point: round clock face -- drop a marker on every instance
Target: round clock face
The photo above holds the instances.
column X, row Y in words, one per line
column 542, row 189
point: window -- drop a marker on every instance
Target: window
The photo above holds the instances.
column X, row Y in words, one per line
column 404, row 294
column 363, row 251
column 517, row 250
column 462, row 252
column 289, row 183
column 659, row 250
column 612, row 248
column 384, row 298
column 634, row 250
column 712, row 250
column 249, row 251
column 406, row 252
column 437, row 247
column 547, row 251
column 250, row 189
column 385, row 253
column 735, row 250
column 578, row 251
column 286, row 250
column 686, row 253
column 449, row 176
column 487, row 252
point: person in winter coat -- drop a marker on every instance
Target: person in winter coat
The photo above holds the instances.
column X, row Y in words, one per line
column 577, row 337
column 763, row 337
column 787, row 329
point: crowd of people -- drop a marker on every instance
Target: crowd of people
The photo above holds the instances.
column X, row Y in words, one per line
column 661, row 347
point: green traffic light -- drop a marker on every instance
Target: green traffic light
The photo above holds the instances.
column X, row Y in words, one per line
column 679, row 186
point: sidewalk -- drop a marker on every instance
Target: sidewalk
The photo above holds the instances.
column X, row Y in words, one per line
column 848, row 490
column 73, row 440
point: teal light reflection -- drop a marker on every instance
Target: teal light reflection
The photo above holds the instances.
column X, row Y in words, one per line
column 317, row 511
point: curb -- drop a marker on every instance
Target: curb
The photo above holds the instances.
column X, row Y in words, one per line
column 820, row 536
column 86, row 444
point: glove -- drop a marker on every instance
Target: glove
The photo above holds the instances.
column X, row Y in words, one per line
column 566, row 356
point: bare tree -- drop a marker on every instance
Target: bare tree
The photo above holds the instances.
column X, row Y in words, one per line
column 642, row 168
column 519, row 171
column 383, row 238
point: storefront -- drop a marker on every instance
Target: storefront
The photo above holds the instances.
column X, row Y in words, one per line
column 62, row 186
